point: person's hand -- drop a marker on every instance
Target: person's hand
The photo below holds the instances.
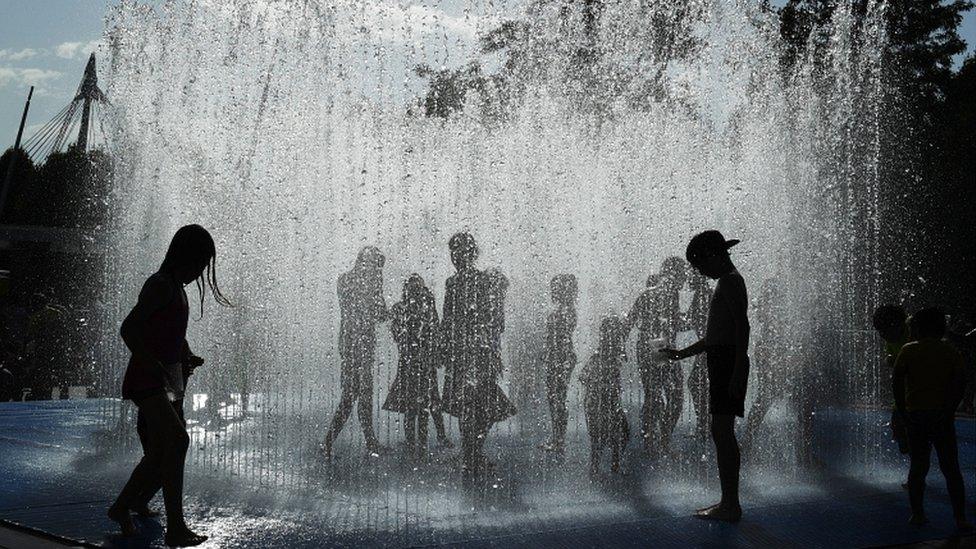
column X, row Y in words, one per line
column 195, row 361
column 672, row 354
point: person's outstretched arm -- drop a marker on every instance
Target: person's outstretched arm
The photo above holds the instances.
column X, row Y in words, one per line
column 154, row 296
column 695, row 348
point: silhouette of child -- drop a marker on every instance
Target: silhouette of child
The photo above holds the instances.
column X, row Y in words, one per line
column 928, row 386
column 889, row 321
column 558, row 356
column 361, row 308
column 470, row 347
column 606, row 422
column 155, row 333
column 414, row 325
column 726, row 342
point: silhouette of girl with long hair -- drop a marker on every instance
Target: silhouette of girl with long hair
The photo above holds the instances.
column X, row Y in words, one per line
column 155, row 333
column 559, row 357
column 414, row 326
column 471, row 329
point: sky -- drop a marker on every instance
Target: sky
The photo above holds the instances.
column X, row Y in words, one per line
column 46, row 43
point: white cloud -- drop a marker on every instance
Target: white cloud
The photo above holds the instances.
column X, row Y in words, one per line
column 12, row 55
column 26, row 77
column 72, row 50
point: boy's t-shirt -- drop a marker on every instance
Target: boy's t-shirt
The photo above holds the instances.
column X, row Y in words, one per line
column 929, row 367
column 729, row 296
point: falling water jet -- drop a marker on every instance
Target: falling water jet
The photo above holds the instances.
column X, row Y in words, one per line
column 291, row 131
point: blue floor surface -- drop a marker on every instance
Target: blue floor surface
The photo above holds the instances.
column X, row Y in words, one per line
column 59, row 475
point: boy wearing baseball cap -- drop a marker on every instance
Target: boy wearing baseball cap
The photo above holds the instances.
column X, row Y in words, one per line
column 726, row 343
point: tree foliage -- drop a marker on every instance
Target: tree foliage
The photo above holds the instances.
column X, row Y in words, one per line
column 926, row 168
column 68, row 190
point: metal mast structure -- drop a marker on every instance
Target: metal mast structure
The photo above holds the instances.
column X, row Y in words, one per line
column 82, row 111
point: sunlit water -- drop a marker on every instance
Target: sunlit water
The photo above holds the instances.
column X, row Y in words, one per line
column 291, row 129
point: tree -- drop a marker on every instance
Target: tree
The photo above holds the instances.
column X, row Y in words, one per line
column 922, row 39
column 16, row 210
column 561, row 47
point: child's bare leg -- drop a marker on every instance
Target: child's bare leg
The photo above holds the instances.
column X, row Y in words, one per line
column 421, row 421
column 439, row 425
column 727, row 453
column 410, row 430
column 342, row 413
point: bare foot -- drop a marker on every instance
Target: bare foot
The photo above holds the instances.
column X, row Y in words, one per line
column 724, row 514
column 709, row 508
column 184, row 538
column 124, row 520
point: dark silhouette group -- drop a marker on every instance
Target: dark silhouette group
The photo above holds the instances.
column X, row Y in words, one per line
column 466, row 341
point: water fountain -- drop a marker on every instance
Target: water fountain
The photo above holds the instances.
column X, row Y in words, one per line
column 600, row 140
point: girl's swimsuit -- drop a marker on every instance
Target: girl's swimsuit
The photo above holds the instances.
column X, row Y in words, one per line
column 165, row 337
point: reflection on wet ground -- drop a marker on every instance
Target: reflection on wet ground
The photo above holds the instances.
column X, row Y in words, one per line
column 61, row 468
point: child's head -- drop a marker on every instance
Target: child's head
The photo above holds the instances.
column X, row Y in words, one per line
column 928, row 323
column 673, row 272
column 413, row 288
column 463, row 250
column 370, row 258
column 190, row 254
column 708, row 253
column 889, row 321
column 612, row 336
column 563, row 289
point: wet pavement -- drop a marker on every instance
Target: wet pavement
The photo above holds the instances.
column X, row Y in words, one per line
column 62, row 463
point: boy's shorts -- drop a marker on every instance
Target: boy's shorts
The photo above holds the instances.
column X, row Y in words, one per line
column 721, row 363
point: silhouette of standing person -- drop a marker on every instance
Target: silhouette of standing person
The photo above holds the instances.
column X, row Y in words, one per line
column 771, row 353
column 928, row 384
column 606, row 421
column 726, row 342
column 361, row 308
column 658, row 316
column 471, row 329
column 558, row 355
column 413, row 322
column 695, row 320
column 155, row 333
column 890, row 321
